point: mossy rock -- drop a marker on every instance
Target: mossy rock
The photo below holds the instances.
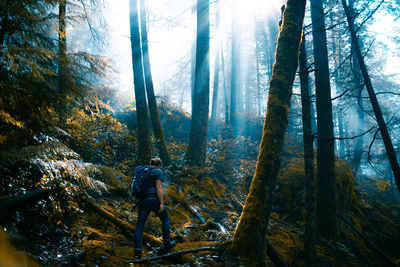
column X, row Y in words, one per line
column 290, row 195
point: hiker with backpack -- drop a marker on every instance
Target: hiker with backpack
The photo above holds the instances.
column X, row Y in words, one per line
column 146, row 186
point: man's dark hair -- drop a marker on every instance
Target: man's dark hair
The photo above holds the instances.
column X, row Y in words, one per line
column 156, row 162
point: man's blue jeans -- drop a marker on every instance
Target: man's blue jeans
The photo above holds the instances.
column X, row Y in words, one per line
column 145, row 206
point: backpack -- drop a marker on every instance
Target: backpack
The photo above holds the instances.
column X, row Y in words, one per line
column 139, row 183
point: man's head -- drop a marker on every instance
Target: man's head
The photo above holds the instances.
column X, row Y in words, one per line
column 156, row 162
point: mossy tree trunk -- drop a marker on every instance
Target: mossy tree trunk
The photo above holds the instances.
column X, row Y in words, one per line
column 196, row 152
column 374, row 102
column 249, row 237
column 62, row 45
column 161, row 144
column 326, row 206
column 144, row 142
column 309, row 185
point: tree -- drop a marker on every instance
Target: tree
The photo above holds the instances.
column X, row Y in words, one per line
column 144, row 142
column 196, row 152
column 34, row 63
column 214, row 106
column 62, row 44
column 374, row 102
column 309, row 185
column 234, row 72
column 161, row 144
column 249, row 237
column 326, row 206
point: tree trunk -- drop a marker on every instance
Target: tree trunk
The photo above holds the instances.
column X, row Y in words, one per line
column 358, row 148
column 226, row 98
column 234, row 73
column 144, row 142
column 309, row 185
column 193, row 54
column 214, row 107
column 326, row 206
column 161, row 144
column 374, row 102
column 62, row 45
column 196, row 153
column 249, row 237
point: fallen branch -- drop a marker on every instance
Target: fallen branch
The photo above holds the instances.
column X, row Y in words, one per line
column 194, row 211
column 237, row 206
column 274, row 255
column 389, row 260
column 172, row 254
column 22, row 200
column 209, row 224
column 126, row 228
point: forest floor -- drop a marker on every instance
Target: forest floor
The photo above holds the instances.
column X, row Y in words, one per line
column 88, row 220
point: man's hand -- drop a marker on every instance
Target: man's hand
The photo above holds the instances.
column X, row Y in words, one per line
column 161, row 208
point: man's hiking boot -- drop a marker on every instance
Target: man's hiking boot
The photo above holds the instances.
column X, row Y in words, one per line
column 138, row 254
column 169, row 244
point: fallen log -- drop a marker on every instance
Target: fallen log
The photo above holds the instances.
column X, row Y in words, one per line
column 172, row 254
column 274, row 255
column 21, row 200
column 127, row 228
column 194, row 211
column 389, row 260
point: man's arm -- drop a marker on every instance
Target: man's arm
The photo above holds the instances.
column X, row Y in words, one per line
column 160, row 195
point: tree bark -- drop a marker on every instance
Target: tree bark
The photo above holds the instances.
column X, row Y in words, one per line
column 196, row 152
column 249, row 237
column 144, row 142
column 214, row 107
column 225, row 88
column 309, row 185
column 374, row 102
column 62, row 45
column 161, row 144
column 358, row 149
column 234, row 74
column 326, row 206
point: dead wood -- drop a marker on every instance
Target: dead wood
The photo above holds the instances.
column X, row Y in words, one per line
column 127, row 228
column 21, row 200
column 237, row 206
column 389, row 260
column 209, row 224
column 172, row 254
column 274, row 255
column 194, row 211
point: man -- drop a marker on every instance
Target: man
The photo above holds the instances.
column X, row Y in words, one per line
column 153, row 201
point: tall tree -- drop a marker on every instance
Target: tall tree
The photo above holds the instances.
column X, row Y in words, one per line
column 161, row 144
column 214, row 106
column 144, row 142
column 358, row 83
column 234, row 71
column 326, row 206
column 249, row 237
column 196, row 152
column 309, row 185
column 62, row 45
column 374, row 102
